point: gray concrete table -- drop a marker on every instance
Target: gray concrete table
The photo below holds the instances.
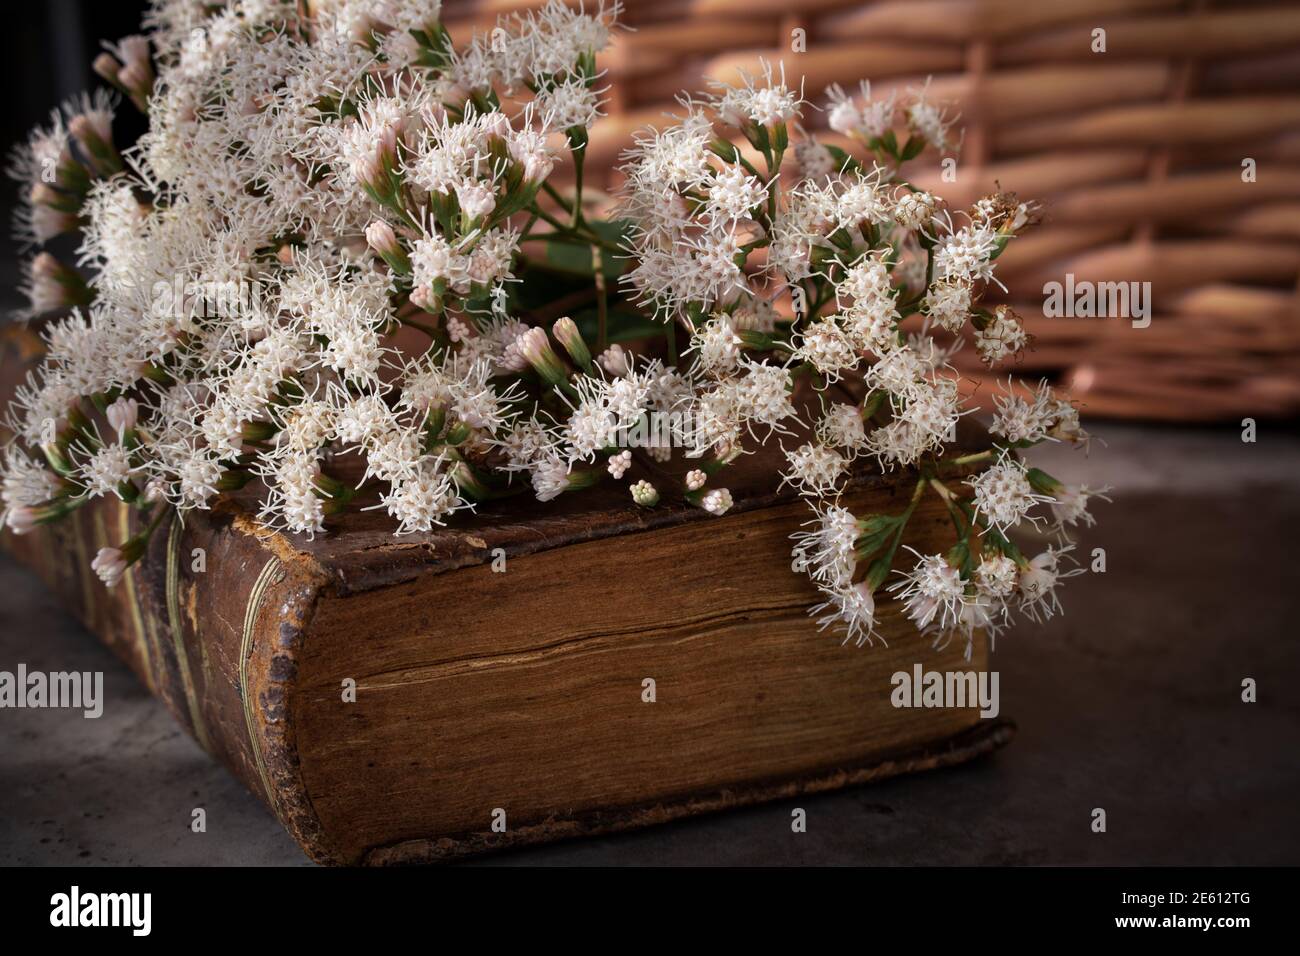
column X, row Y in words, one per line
column 1130, row 701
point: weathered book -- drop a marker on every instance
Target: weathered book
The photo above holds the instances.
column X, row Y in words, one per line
column 398, row 700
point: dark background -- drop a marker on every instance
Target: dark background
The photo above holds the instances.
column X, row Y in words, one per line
column 48, row 48
column 47, row 51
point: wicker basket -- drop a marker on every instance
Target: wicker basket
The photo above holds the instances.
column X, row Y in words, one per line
column 1136, row 154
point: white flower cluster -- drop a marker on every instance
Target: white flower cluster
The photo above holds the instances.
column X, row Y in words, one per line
column 335, row 270
column 316, row 181
column 722, row 235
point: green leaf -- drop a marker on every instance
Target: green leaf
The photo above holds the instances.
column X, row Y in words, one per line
column 573, row 257
column 842, row 159
column 782, row 138
column 623, row 325
column 611, row 230
column 539, row 286
column 890, row 143
column 915, row 145
column 1042, row 482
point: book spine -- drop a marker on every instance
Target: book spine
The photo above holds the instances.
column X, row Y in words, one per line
column 211, row 621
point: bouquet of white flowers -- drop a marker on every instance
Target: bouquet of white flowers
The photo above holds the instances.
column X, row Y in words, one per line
column 339, row 269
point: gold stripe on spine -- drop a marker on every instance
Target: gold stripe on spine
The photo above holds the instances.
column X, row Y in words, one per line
column 90, row 585
column 270, row 574
column 143, row 632
column 178, row 635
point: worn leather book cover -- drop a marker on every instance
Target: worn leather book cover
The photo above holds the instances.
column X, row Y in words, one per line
column 528, row 674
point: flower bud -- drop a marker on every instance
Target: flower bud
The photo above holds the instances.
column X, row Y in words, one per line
column 429, row 298
column 536, row 350
column 43, row 194
column 566, row 333
column 21, row 519
column 95, row 138
column 614, row 360
column 726, row 149
column 618, row 465
column 845, row 117
column 106, row 66
column 914, row 210
column 496, row 124
column 110, row 565
column 122, row 415
column 51, row 286
column 645, row 494
column 531, row 152
column 476, row 201
column 137, row 79
column 155, row 490
column 457, row 330
column 376, row 138
column 717, row 502
column 383, row 240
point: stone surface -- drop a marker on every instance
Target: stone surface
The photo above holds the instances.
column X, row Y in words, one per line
column 1130, row 702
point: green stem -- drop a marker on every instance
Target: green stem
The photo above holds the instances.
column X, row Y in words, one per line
column 906, row 517
column 426, row 329
column 749, row 167
column 970, row 459
column 954, row 512
column 579, row 157
column 554, row 194
column 881, row 567
column 602, row 302
column 579, row 236
column 546, row 217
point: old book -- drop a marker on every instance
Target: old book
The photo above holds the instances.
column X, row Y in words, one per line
column 390, row 699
